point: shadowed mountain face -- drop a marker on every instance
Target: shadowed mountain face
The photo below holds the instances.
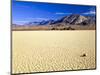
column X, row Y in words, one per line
column 74, row 19
column 77, row 20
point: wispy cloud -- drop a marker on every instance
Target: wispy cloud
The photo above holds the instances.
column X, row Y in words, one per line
column 38, row 19
column 21, row 21
column 61, row 13
column 90, row 13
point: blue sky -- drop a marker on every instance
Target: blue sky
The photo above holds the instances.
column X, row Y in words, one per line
column 23, row 12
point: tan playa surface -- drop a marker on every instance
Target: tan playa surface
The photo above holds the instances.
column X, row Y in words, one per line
column 41, row 51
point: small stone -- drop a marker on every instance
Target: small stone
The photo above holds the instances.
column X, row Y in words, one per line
column 83, row 55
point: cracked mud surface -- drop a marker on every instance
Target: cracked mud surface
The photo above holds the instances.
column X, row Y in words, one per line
column 41, row 51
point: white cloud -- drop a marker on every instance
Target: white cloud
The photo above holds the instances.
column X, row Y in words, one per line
column 90, row 12
column 39, row 18
column 61, row 13
column 21, row 21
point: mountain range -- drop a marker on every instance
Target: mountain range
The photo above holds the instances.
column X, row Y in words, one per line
column 74, row 19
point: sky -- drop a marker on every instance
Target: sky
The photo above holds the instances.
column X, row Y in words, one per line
column 24, row 12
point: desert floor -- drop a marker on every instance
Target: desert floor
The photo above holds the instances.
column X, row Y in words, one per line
column 42, row 51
